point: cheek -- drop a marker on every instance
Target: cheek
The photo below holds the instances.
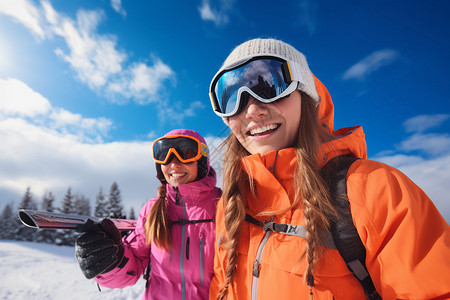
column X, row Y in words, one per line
column 194, row 172
column 165, row 170
column 291, row 110
column 192, row 169
column 235, row 124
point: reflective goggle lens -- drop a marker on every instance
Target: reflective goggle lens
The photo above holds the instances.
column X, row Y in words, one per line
column 264, row 78
column 186, row 148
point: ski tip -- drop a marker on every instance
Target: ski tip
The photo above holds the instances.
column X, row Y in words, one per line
column 26, row 219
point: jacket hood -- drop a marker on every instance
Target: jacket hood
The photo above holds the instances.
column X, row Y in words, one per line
column 348, row 140
column 203, row 163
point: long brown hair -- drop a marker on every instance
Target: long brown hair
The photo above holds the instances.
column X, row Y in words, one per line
column 157, row 226
column 311, row 192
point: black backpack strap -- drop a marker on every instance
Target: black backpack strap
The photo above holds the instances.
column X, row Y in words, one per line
column 343, row 231
column 185, row 221
column 147, row 274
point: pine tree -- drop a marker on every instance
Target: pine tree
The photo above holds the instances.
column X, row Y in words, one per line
column 101, row 206
column 8, row 223
column 23, row 233
column 7, row 212
column 115, row 201
column 47, row 202
column 66, row 237
column 67, row 205
column 82, row 206
column 27, row 201
column 46, row 235
column 132, row 215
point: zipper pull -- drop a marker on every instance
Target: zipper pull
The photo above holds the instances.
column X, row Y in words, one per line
column 256, row 269
column 187, row 248
column 177, row 196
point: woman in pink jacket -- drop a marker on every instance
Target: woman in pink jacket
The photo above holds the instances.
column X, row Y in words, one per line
column 175, row 231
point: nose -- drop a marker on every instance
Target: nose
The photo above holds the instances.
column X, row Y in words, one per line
column 174, row 162
column 255, row 108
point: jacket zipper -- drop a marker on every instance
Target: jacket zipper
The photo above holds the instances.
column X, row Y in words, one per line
column 201, row 261
column 177, row 196
column 183, row 246
column 257, row 265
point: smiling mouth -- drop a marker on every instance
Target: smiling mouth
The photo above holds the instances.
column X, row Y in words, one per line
column 263, row 130
column 177, row 175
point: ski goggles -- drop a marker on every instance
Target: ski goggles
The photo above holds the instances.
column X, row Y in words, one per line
column 266, row 78
column 186, row 148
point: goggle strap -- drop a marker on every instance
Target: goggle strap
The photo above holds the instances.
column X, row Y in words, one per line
column 295, row 72
column 213, row 103
column 287, row 74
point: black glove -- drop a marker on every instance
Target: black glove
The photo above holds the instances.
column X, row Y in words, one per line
column 99, row 249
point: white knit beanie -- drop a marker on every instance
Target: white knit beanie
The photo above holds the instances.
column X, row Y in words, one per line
column 272, row 46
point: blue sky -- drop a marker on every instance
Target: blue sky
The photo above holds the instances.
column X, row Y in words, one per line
column 85, row 86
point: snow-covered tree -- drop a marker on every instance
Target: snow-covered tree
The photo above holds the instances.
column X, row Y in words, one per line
column 8, row 223
column 66, row 237
column 67, row 203
column 82, row 206
column 7, row 212
column 23, row 233
column 101, row 206
column 46, row 235
column 47, row 202
column 28, row 201
column 132, row 215
column 115, row 201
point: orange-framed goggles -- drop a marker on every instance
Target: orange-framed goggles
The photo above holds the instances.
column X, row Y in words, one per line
column 186, row 148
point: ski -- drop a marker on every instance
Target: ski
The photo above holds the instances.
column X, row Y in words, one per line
column 50, row 220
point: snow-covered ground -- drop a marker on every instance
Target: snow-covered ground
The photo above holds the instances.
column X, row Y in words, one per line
column 42, row 271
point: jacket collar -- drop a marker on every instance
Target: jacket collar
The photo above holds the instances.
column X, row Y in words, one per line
column 194, row 192
column 272, row 173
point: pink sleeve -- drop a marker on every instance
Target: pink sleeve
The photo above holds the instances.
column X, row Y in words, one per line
column 136, row 252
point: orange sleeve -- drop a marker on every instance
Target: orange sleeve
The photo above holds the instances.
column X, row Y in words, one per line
column 218, row 279
column 407, row 239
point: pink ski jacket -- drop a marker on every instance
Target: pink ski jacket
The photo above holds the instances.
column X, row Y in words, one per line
column 186, row 271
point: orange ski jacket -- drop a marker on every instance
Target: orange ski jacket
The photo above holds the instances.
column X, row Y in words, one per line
column 406, row 239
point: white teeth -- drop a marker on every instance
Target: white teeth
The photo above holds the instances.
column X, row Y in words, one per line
column 177, row 175
column 263, row 129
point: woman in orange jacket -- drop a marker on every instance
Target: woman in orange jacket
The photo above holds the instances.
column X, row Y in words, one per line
column 281, row 121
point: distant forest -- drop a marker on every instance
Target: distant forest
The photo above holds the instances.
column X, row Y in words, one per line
column 12, row 229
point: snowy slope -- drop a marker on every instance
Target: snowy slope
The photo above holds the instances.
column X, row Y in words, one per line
column 42, row 271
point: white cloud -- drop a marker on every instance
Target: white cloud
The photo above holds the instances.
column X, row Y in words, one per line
column 23, row 11
column 52, row 149
column 431, row 144
column 87, row 129
column 432, row 175
column 424, row 122
column 175, row 113
column 371, row 63
column 46, row 160
column 308, row 13
column 191, row 111
column 20, row 100
column 142, row 82
column 425, row 158
column 95, row 58
column 217, row 16
column 117, row 6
